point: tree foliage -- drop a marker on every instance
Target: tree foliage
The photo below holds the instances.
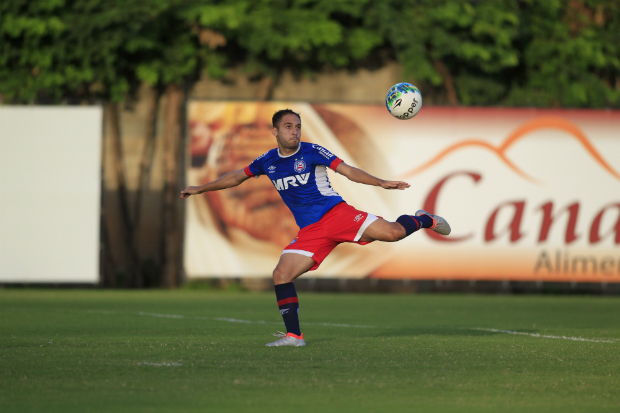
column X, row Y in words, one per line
column 58, row 49
column 486, row 52
column 570, row 55
column 62, row 49
column 508, row 52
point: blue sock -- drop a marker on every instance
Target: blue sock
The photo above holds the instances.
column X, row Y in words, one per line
column 289, row 307
column 412, row 223
column 425, row 221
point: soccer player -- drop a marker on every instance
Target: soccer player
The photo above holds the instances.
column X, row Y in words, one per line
column 298, row 171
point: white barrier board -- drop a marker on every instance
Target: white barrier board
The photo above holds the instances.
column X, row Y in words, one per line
column 50, row 163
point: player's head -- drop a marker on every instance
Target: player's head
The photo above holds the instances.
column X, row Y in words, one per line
column 287, row 128
column 277, row 117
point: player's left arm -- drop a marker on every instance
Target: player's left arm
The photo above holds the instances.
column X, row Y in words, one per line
column 357, row 175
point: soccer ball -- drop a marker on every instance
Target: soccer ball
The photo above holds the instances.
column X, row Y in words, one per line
column 403, row 101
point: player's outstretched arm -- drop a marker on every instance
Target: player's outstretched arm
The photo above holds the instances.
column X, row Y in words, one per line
column 225, row 181
column 357, row 175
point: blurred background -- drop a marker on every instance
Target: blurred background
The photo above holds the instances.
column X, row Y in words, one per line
column 110, row 108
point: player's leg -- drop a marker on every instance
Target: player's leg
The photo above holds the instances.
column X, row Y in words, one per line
column 405, row 225
column 291, row 266
column 382, row 230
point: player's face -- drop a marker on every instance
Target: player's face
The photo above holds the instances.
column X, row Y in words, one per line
column 288, row 132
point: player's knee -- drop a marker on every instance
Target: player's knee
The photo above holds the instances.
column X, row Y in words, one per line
column 280, row 276
column 396, row 232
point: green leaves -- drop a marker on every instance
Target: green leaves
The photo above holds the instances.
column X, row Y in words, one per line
column 284, row 34
column 571, row 56
column 491, row 52
column 533, row 52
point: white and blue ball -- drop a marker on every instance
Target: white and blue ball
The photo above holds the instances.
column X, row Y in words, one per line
column 403, row 101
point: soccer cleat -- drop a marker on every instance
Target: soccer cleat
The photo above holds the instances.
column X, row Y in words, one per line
column 289, row 339
column 440, row 225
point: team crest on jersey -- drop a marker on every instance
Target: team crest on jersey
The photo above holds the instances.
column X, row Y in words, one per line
column 300, row 165
column 294, row 241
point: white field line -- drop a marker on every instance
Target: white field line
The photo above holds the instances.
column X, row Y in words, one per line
column 160, row 364
column 591, row 340
column 236, row 320
column 230, row 320
column 162, row 315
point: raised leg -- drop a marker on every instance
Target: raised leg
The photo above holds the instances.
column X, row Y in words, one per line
column 405, row 225
column 382, row 230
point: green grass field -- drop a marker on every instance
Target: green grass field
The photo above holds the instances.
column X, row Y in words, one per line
column 188, row 351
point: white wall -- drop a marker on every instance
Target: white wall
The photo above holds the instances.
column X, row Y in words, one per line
column 50, row 161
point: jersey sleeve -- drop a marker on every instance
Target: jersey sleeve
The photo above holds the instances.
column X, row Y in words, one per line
column 256, row 167
column 322, row 156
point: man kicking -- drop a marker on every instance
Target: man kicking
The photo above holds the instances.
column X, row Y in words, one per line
column 298, row 170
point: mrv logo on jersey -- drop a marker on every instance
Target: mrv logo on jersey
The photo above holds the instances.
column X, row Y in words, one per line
column 282, row 184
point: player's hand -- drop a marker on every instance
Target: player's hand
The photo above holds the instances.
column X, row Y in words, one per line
column 394, row 185
column 189, row 191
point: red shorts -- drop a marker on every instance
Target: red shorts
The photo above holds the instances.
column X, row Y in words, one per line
column 342, row 223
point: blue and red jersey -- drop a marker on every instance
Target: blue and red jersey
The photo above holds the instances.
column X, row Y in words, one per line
column 301, row 179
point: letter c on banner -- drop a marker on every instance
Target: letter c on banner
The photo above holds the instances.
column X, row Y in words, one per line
column 431, row 201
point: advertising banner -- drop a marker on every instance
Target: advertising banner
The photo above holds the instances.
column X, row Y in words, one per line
column 531, row 195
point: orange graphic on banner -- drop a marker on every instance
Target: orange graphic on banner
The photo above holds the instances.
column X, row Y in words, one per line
column 529, row 127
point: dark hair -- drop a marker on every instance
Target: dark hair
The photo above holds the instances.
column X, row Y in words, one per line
column 277, row 117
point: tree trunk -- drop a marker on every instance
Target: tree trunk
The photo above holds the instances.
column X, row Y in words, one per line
column 148, row 152
column 265, row 88
column 448, row 81
column 171, row 210
column 128, row 226
column 107, row 268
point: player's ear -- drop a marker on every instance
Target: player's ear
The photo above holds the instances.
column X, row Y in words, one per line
column 274, row 131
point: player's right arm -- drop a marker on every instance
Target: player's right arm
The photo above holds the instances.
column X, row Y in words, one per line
column 228, row 180
column 362, row 177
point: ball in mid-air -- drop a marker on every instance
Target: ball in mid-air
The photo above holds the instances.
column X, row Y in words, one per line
column 403, row 101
